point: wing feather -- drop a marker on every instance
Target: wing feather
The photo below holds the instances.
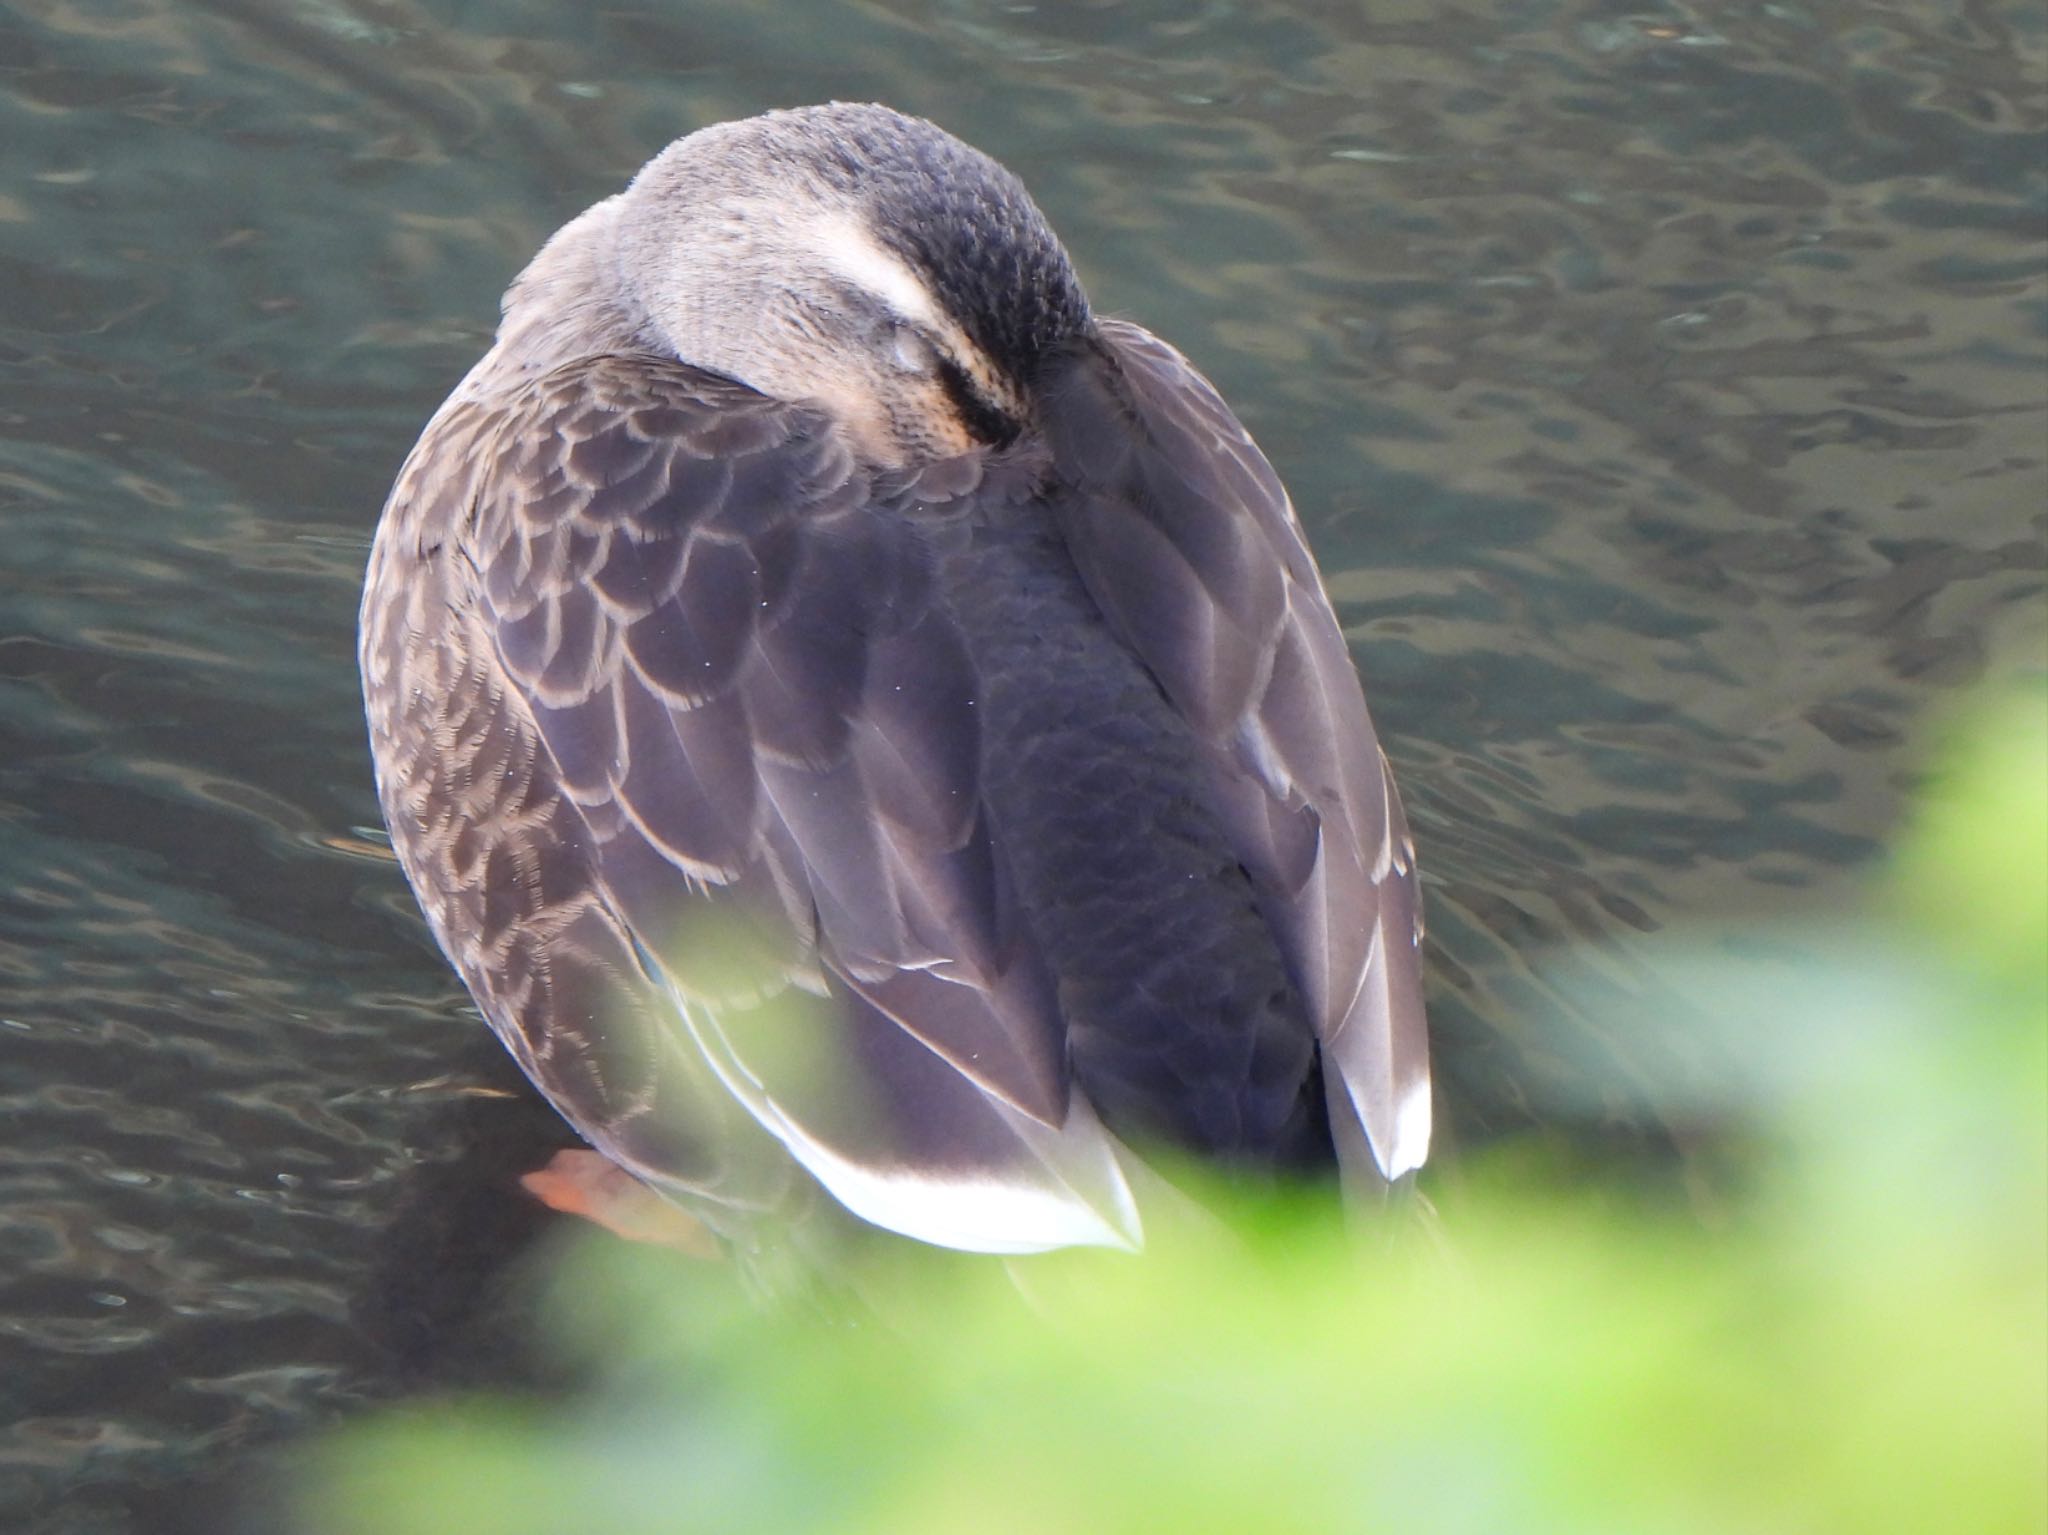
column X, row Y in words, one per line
column 1187, row 541
column 709, row 647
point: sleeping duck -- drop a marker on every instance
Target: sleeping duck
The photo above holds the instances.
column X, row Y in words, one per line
column 870, row 733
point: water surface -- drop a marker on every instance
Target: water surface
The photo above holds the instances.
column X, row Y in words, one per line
column 1662, row 387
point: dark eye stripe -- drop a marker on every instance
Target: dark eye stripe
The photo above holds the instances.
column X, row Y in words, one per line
column 984, row 421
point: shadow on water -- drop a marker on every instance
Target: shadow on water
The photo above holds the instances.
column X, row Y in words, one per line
column 1662, row 387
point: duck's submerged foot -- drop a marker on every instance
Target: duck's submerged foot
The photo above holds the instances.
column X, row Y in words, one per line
column 583, row 1183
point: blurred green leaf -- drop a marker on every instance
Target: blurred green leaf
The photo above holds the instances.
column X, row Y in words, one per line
column 1973, row 876
column 1858, row 1343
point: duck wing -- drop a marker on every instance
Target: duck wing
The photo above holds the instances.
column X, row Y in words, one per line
column 650, row 657
column 1186, row 539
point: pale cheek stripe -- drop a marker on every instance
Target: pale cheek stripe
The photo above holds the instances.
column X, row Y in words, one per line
column 855, row 256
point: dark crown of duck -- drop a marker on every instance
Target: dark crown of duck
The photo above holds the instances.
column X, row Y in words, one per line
column 965, row 224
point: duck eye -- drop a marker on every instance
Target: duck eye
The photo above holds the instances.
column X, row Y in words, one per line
column 911, row 353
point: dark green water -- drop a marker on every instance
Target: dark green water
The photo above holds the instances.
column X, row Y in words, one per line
column 1662, row 385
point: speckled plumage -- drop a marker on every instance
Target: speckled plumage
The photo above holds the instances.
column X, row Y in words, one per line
column 1026, row 762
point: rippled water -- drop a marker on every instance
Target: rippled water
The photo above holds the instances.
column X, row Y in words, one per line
column 1662, row 386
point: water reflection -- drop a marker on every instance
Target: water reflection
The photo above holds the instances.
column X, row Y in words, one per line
column 1662, row 386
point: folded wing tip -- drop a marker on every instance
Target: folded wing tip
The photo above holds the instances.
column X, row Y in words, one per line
column 1059, row 1187
column 1400, row 1140
column 983, row 1215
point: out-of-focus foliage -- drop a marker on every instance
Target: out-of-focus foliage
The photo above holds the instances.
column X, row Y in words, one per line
column 1856, row 1341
